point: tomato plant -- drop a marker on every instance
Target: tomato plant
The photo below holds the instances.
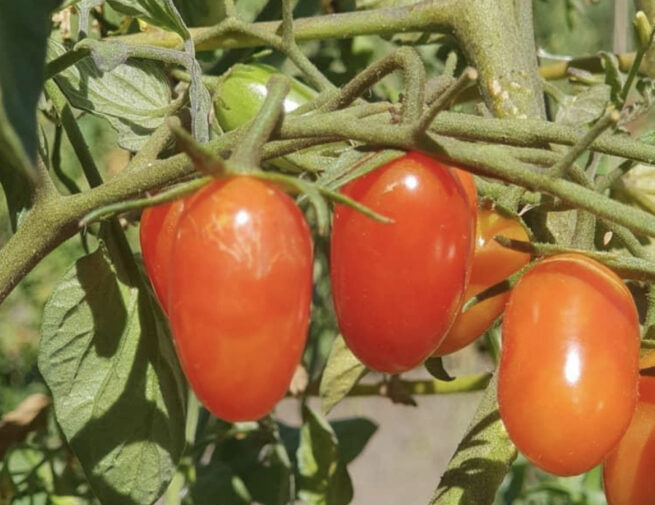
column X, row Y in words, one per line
column 491, row 264
column 398, row 286
column 568, row 370
column 627, row 473
column 240, row 291
column 105, row 103
column 156, row 235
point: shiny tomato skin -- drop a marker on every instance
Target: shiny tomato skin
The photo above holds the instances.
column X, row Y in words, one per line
column 492, row 263
column 568, row 371
column 398, row 286
column 628, row 472
column 241, row 286
column 156, row 235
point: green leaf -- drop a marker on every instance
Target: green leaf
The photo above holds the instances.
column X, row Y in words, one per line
column 353, row 435
column 247, row 465
column 134, row 97
column 323, row 478
column 613, row 77
column 437, row 370
column 217, row 479
column 119, row 396
column 585, row 107
column 160, row 13
column 24, row 28
column 342, row 371
column 648, row 137
column 201, row 12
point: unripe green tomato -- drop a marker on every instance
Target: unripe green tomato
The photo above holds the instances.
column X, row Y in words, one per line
column 242, row 90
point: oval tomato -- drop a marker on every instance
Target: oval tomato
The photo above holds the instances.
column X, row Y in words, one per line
column 628, row 472
column 240, row 293
column 491, row 264
column 398, row 286
column 568, row 372
column 156, row 235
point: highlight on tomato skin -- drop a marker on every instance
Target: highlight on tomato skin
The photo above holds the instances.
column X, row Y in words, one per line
column 628, row 472
column 568, row 373
column 241, row 286
column 156, row 235
column 397, row 287
column 492, row 263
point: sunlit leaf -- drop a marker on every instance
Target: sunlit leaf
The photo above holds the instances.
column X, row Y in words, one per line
column 119, row 397
column 342, row 371
column 134, row 97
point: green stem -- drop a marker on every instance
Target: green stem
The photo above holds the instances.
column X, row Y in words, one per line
column 628, row 267
column 405, row 59
column 74, row 133
column 481, row 460
column 421, row 17
column 64, row 61
column 534, row 133
column 505, row 60
column 249, row 152
column 445, row 98
column 461, row 384
column 314, row 76
column 609, row 119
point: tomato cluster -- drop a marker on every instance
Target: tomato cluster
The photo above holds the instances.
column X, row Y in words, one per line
column 232, row 268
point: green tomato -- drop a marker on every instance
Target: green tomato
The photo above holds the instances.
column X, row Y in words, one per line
column 242, row 91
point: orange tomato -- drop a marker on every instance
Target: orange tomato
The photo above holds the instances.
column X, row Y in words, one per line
column 568, row 373
column 628, row 472
column 398, row 286
column 240, row 294
column 491, row 264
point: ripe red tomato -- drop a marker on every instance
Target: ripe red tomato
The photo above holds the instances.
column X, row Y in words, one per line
column 628, row 472
column 491, row 264
column 156, row 234
column 240, row 293
column 398, row 286
column 569, row 363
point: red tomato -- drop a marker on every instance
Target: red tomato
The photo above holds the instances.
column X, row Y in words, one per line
column 156, row 234
column 628, row 472
column 241, row 286
column 491, row 264
column 569, row 364
column 398, row 286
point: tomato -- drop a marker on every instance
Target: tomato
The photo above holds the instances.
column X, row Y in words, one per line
column 242, row 91
column 156, row 234
column 568, row 372
column 398, row 286
column 240, row 293
column 491, row 264
column 628, row 472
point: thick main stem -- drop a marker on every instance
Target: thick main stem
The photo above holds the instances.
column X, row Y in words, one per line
column 495, row 45
column 427, row 16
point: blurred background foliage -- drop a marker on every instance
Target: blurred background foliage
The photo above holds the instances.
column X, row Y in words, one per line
column 42, row 470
